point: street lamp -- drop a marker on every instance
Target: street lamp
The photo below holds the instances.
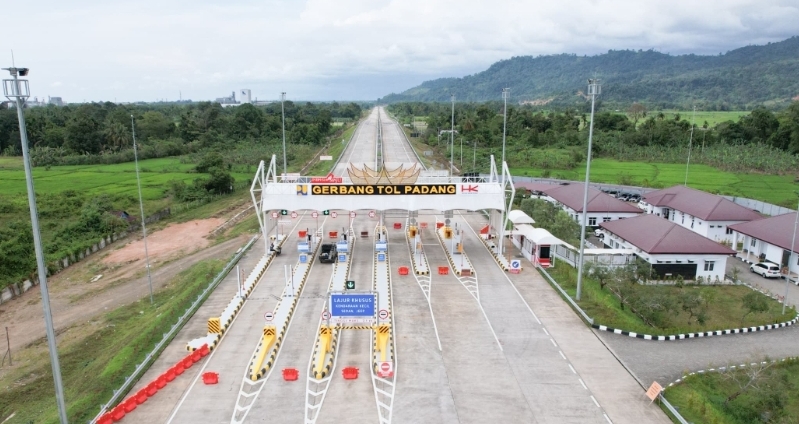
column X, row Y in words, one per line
column 505, row 94
column 452, row 137
column 593, row 90
column 690, row 144
column 141, row 208
column 790, row 259
column 283, row 112
column 17, row 90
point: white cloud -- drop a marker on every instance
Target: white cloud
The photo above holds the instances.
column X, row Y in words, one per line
column 347, row 49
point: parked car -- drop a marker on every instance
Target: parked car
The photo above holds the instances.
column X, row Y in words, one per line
column 328, row 253
column 766, row 269
column 599, row 233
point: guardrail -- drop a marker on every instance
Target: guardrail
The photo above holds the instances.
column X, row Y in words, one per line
column 566, row 295
column 167, row 337
column 672, row 409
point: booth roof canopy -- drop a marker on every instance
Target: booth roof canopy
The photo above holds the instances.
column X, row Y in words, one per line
column 518, row 217
column 537, row 235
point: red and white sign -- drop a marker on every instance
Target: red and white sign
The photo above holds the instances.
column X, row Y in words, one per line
column 274, row 215
column 269, row 316
column 333, row 214
column 382, row 314
column 469, row 188
column 385, row 369
column 352, row 214
column 329, row 179
column 314, row 214
column 371, row 214
column 294, row 214
column 325, row 315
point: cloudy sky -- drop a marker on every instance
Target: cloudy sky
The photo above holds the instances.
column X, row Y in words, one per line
column 92, row 50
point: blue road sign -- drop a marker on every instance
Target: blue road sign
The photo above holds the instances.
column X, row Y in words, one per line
column 352, row 305
column 381, row 257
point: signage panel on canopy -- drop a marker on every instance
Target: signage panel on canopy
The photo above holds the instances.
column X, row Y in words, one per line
column 314, row 214
column 274, row 215
column 329, row 179
column 352, row 214
column 377, row 189
column 371, row 214
column 334, row 214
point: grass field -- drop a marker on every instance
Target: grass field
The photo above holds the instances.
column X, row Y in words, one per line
column 701, row 397
column 777, row 189
column 712, row 117
column 725, row 309
column 119, row 179
column 117, row 341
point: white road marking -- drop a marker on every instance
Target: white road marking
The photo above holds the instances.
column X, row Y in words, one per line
column 595, row 402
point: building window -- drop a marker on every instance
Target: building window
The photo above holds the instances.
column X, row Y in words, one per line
column 683, row 219
column 709, row 265
column 692, row 223
column 592, row 221
column 606, row 219
column 753, row 242
column 729, row 230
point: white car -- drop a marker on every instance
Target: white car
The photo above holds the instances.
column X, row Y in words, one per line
column 765, row 269
column 599, row 233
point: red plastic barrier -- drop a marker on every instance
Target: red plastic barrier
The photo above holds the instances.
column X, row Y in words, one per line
column 397, row 225
column 443, row 270
column 350, row 373
column 179, row 368
column 129, row 405
column 170, row 374
column 151, row 389
column 333, row 234
column 141, row 396
column 439, row 225
column 403, row 270
column 105, row 419
column 210, row 378
column 204, row 350
column 187, row 362
column 196, row 356
column 484, row 230
column 160, row 382
column 303, row 233
column 118, row 413
column 423, row 225
column 290, row 374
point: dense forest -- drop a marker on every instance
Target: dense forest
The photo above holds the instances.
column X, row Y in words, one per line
column 762, row 141
column 741, row 79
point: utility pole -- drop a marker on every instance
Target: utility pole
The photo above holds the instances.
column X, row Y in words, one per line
column 690, row 143
column 283, row 112
column 17, row 90
column 593, row 90
column 505, row 94
column 452, row 137
column 141, row 208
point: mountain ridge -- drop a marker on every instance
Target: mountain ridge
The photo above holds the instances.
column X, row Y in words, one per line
column 741, row 78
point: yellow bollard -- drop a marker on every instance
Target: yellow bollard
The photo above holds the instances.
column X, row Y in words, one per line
column 383, row 331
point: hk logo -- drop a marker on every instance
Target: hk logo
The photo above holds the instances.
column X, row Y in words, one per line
column 302, row 189
column 469, row 188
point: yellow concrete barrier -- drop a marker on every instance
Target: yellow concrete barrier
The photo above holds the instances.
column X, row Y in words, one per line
column 266, row 345
column 325, row 335
column 383, row 331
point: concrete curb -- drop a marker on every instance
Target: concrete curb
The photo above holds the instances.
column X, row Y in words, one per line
column 722, row 369
column 696, row 335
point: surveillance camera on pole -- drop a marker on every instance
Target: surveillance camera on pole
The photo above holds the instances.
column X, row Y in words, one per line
column 17, row 90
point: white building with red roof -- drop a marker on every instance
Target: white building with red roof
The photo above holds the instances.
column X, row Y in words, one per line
column 601, row 207
column 770, row 239
column 703, row 213
column 670, row 248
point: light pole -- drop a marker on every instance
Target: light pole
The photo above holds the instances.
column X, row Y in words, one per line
column 452, row 137
column 593, row 90
column 17, row 90
column 690, row 143
column 790, row 259
column 141, row 208
column 461, row 154
column 474, row 157
column 283, row 112
column 505, row 94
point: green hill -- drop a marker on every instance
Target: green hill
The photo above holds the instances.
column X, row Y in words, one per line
column 741, row 78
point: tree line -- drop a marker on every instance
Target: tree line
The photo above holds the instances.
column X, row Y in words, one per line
column 105, row 128
column 636, row 132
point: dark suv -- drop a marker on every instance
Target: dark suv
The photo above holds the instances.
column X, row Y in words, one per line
column 328, row 253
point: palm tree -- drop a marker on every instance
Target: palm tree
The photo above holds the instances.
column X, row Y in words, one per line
column 116, row 135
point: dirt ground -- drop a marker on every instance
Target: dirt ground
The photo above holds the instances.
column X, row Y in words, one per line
column 113, row 277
